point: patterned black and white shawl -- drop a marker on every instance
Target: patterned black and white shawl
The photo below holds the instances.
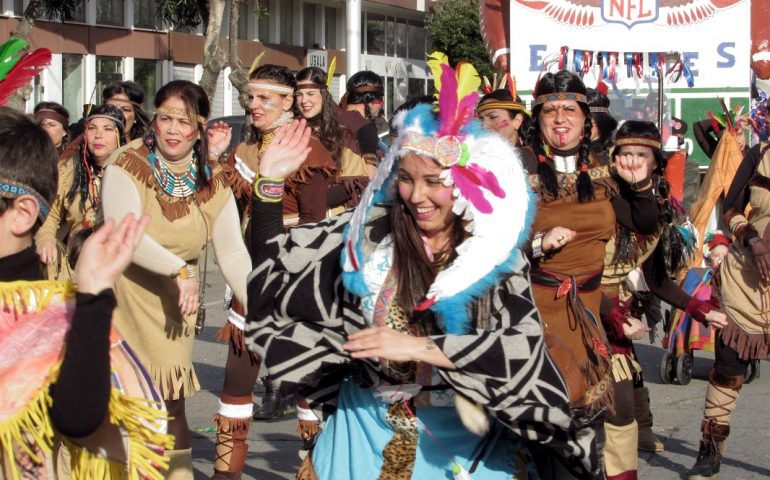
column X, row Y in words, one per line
column 300, row 315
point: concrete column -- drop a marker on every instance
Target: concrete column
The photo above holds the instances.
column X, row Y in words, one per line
column 51, row 79
column 352, row 36
column 128, row 68
column 89, row 75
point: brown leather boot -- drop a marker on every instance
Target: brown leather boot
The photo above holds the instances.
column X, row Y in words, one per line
column 710, row 452
column 648, row 442
column 232, row 447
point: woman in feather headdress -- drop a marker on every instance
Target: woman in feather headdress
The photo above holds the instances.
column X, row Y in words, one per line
column 395, row 319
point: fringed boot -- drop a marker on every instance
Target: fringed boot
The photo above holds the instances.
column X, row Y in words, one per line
column 233, row 421
column 721, row 397
column 308, row 426
column 648, row 441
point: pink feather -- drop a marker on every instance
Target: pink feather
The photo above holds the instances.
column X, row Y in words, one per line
column 465, row 112
column 447, row 100
column 468, row 183
column 25, row 70
column 487, row 180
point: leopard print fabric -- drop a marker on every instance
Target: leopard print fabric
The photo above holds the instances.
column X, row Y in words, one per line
column 401, row 451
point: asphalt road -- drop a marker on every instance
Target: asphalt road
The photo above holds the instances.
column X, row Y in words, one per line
column 677, row 411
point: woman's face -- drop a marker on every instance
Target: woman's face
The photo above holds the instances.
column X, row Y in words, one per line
column 122, row 101
column 54, row 129
column 500, row 121
column 267, row 106
column 561, row 124
column 175, row 134
column 309, row 100
column 426, row 197
column 101, row 138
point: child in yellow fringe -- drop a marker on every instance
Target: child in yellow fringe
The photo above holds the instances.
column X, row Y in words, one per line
column 67, row 378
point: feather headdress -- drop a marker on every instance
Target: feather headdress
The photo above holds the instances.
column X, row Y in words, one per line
column 18, row 66
column 491, row 194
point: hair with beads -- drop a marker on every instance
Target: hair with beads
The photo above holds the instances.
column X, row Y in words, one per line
column 562, row 82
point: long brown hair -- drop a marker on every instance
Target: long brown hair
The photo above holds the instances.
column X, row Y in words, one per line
column 414, row 271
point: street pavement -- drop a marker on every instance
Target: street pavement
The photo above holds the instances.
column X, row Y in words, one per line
column 677, row 411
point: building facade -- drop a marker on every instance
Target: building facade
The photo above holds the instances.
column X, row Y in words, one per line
column 114, row 40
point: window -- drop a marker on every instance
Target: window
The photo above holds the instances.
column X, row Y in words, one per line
column 389, row 95
column 263, row 25
column 331, row 28
column 146, row 14
column 108, row 70
column 72, row 84
column 147, row 73
column 416, row 88
column 110, row 12
column 286, row 17
column 416, row 32
column 375, row 34
column 243, row 20
column 18, row 7
column 308, row 25
column 400, row 38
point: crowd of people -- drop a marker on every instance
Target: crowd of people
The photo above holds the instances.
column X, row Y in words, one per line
column 460, row 301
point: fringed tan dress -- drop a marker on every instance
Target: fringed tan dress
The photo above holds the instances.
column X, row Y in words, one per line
column 148, row 313
column 745, row 299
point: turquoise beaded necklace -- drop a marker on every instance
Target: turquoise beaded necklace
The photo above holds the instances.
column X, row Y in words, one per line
column 174, row 184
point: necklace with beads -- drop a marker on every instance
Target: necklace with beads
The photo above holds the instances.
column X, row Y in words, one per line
column 179, row 185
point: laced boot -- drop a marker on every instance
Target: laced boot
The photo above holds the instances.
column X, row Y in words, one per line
column 710, row 452
column 648, row 441
column 233, row 421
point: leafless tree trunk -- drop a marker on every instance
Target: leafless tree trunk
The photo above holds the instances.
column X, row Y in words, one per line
column 237, row 70
column 214, row 57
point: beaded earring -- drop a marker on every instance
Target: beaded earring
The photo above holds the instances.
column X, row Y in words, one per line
column 149, row 140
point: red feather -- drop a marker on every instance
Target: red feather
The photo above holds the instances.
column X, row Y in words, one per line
column 25, row 70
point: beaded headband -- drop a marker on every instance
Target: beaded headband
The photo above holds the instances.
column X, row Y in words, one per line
column 638, row 141
column 553, row 97
column 516, row 106
column 311, row 86
column 179, row 112
column 599, row 109
column 271, row 87
column 113, row 119
column 10, row 189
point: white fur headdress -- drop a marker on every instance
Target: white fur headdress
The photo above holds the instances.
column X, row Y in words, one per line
column 491, row 192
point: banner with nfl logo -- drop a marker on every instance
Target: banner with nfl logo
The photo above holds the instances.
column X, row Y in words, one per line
column 614, row 38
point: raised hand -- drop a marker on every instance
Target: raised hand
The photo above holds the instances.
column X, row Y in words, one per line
column 107, row 253
column 287, row 152
column 218, row 138
column 632, row 168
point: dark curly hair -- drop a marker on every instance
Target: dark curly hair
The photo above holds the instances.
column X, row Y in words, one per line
column 560, row 82
column 326, row 123
column 135, row 94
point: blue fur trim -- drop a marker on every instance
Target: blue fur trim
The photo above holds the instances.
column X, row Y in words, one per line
column 423, row 116
column 452, row 312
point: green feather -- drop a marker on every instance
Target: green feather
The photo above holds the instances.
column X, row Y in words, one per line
column 10, row 53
